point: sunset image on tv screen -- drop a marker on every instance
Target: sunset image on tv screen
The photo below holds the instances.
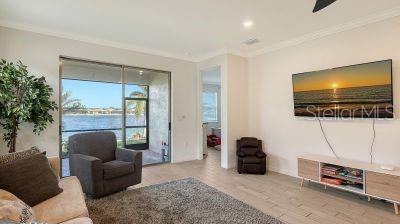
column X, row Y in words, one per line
column 361, row 91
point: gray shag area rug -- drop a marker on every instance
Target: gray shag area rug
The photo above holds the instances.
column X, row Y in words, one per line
column 181, row 201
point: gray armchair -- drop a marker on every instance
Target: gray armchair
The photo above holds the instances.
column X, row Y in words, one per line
column 100, row 166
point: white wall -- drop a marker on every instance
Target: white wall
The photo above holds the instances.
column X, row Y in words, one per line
column 41, row 54
column 237, row 100
column 271, row 101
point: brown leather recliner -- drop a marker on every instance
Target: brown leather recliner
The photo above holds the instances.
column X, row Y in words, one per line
column 251, row 158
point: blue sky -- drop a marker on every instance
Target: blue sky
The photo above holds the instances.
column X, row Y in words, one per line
column 95, row 94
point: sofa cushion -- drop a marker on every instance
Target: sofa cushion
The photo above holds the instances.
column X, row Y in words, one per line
column 68, row 205
column 251, row 160
column 5, row 195
column 117, row 168
column 79, row 221
column 14, row 210
column 30, row 179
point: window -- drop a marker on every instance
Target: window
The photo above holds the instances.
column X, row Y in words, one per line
column 210, row 106
column 90, row 106
column 108, row 97
column 136, row 116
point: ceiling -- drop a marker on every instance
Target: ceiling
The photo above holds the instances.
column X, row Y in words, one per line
column 191, row 29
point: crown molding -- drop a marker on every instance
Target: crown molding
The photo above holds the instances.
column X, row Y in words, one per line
column 329, row 31
column 91, row 40
column 211, row 54
column 220, row 52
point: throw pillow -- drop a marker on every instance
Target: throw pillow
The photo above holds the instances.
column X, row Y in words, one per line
column 30, row 179
column 18, row 155
column 5, row 195
column 13, row 210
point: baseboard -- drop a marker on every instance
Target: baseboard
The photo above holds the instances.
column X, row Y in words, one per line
column 281, row 171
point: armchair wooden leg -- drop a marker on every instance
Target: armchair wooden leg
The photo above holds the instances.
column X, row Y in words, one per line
column 302, row 183
column 369, row 198
column 396, row 208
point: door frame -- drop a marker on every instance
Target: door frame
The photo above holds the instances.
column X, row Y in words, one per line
column 201, row 71
column 125, row 126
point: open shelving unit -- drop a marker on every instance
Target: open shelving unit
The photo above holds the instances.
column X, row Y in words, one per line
column 342, row 175
column 353, row 176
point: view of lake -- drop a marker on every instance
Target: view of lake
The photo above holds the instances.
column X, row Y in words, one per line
column 103, row 121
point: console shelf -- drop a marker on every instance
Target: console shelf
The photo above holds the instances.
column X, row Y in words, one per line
column 343, row 178
column 357, row 177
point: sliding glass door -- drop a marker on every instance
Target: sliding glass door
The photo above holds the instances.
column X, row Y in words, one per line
column 134, row 103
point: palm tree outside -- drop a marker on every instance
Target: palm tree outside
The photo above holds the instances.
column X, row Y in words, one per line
column 69, row 103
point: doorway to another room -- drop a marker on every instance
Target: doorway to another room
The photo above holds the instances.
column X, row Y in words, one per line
column 132, row 102
column 211, row 111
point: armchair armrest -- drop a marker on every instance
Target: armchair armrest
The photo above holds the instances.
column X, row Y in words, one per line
column 261, row 154
column 128, row 155
column 89, row 171
column 133, row 156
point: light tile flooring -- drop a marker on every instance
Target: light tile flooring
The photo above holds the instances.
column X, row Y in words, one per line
column 277, row 194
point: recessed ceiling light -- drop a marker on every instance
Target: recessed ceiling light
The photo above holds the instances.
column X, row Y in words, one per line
column 248, row 23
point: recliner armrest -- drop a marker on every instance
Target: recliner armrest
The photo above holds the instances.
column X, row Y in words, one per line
column 261, row 154
column 240, row 154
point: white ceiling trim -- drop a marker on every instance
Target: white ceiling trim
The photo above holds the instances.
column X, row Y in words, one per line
column 329, row 31
column 212, row 54
column 219, row 52
column 91, row 40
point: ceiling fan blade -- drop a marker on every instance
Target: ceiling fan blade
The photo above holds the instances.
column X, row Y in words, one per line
column 320, row 4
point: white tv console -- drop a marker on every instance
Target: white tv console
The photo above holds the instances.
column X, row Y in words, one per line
column 375, row 182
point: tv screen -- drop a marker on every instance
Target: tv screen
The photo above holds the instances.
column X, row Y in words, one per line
column 357, row 91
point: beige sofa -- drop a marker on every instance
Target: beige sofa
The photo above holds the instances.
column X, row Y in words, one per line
column 69, row 207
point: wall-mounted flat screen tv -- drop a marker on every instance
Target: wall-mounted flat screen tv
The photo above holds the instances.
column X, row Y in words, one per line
column 356, row 91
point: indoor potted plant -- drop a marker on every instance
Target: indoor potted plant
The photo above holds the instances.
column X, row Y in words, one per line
column 23, row 98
